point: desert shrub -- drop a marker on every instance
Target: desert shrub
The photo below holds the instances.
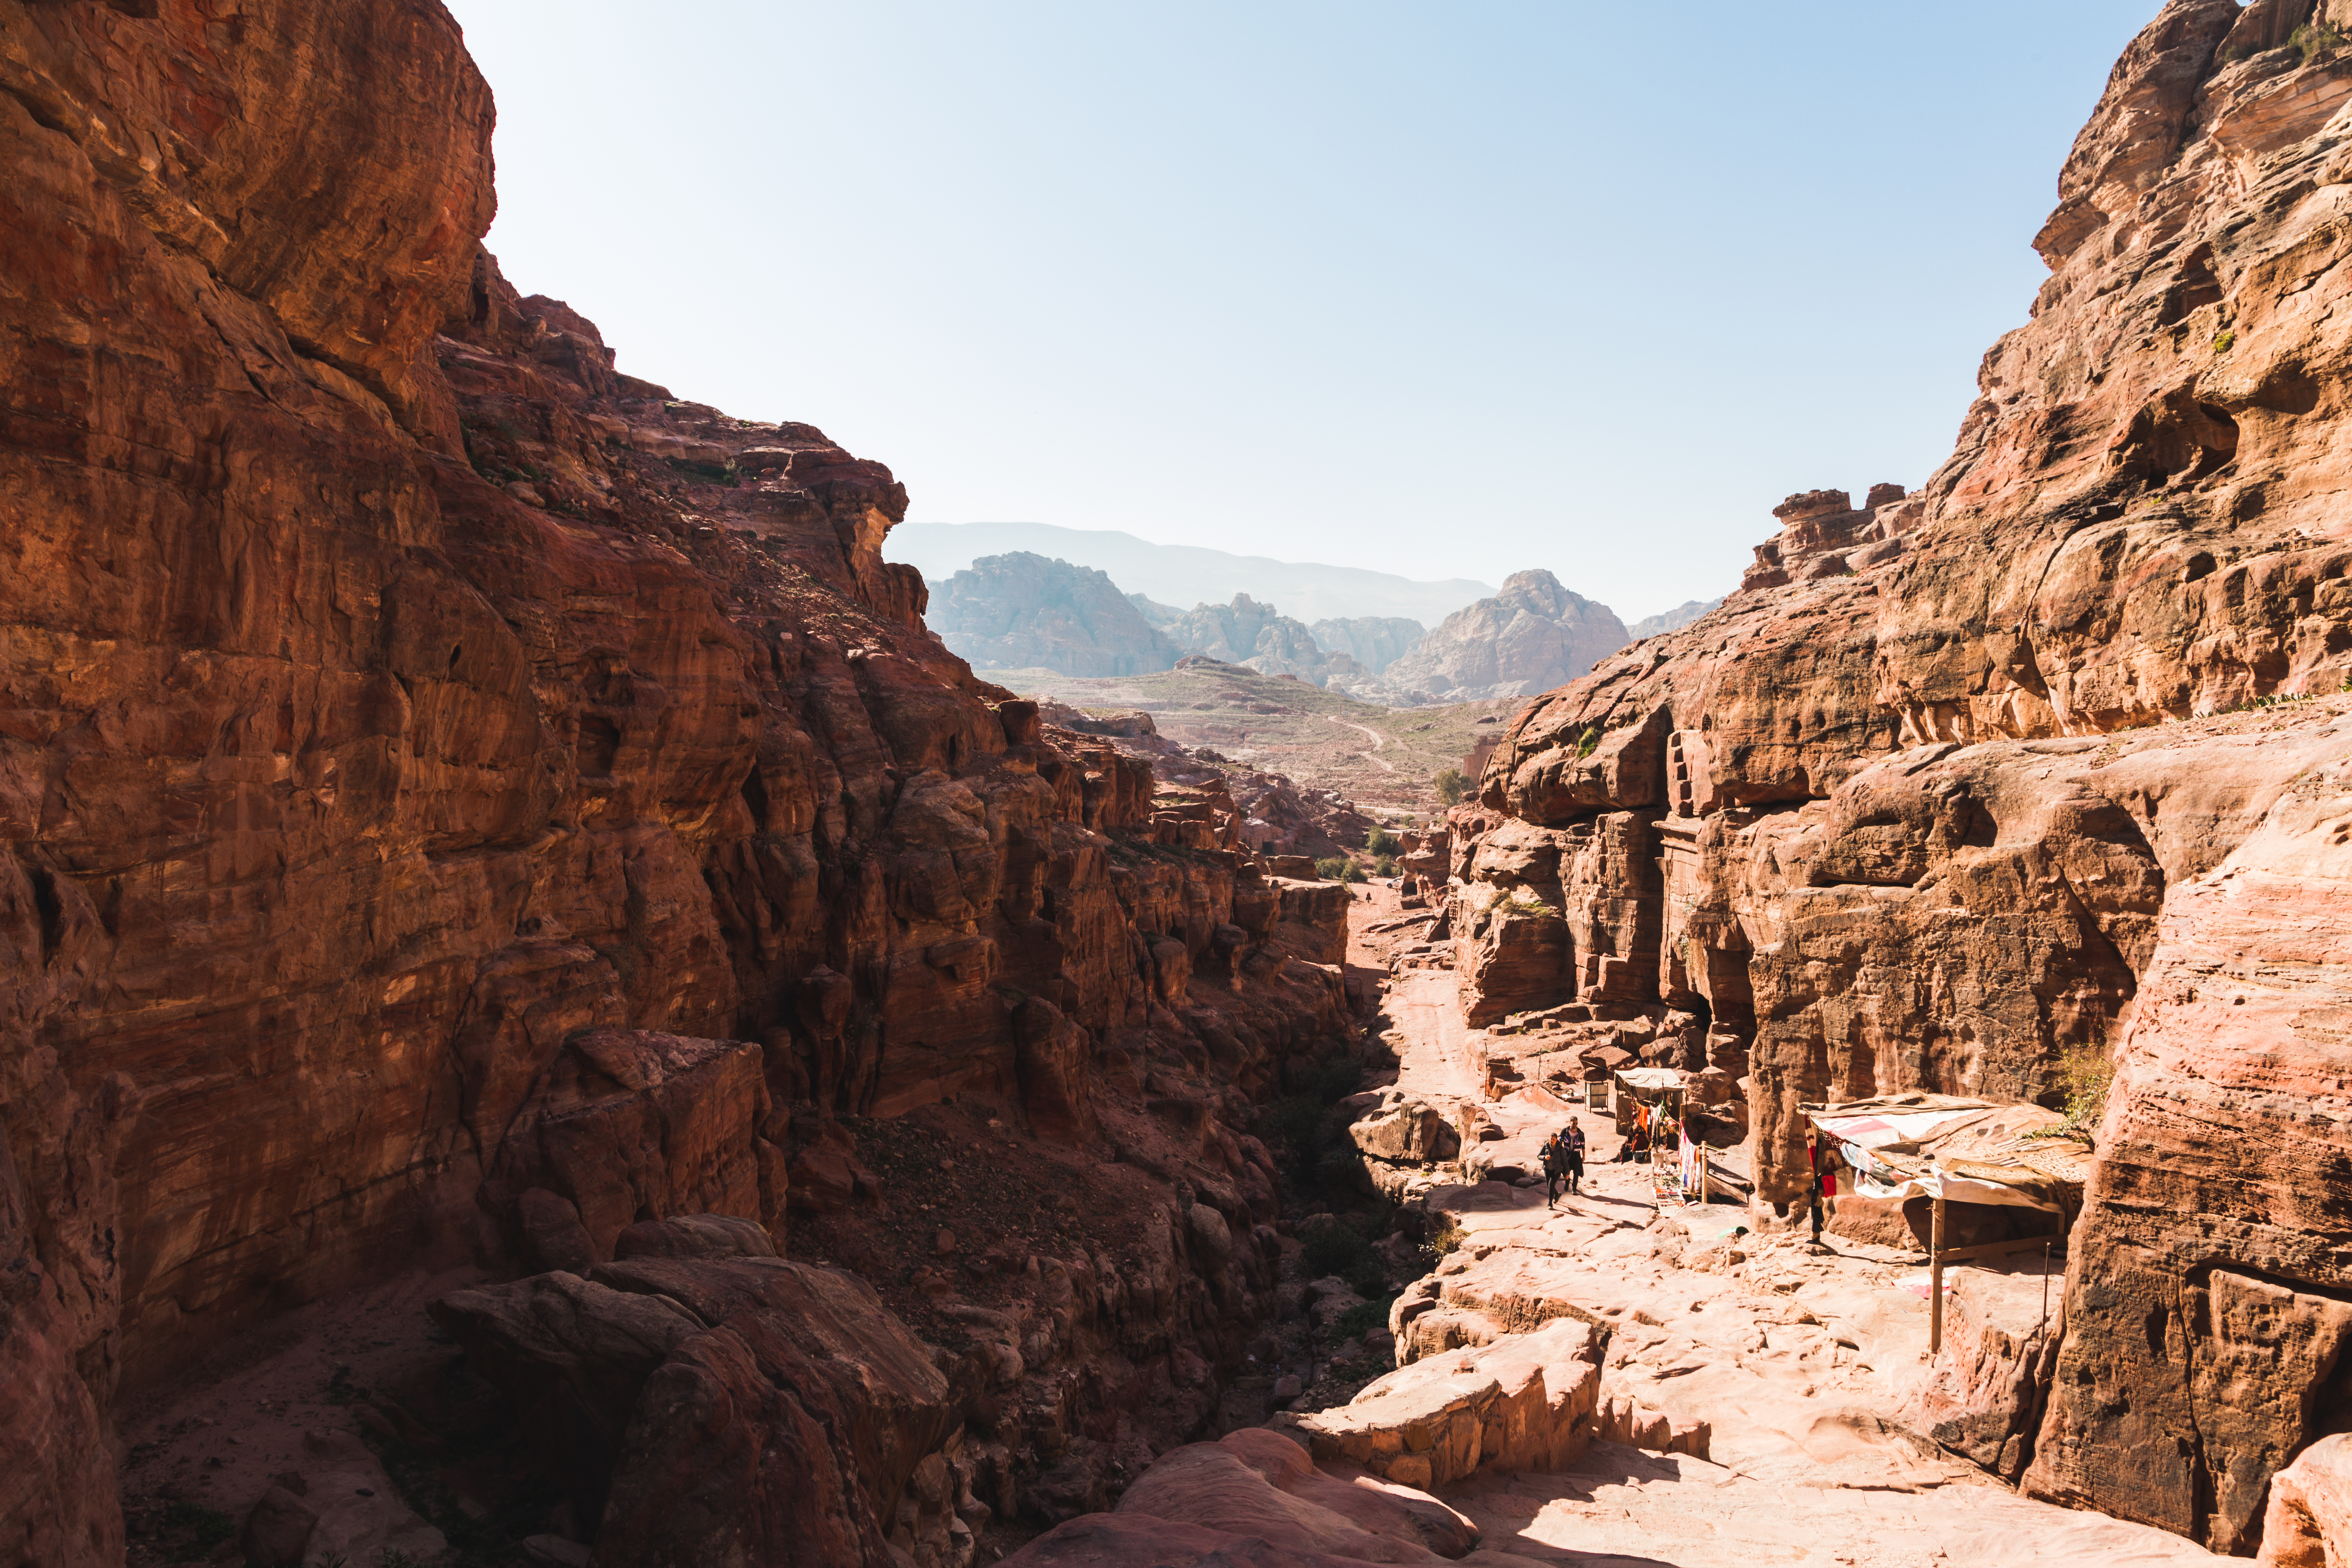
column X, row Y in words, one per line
column 1332, row 868
column 2086, row 1075
column 1308, row 1133
column 1335, row 1078
column 1355, row 872
column 1587, row 742
column 1443, row 1240
column 2222, row 342
column 1451, row 786
column 1380, row 841
column 1337, row 1248
column 1363, row 1318
column 1383, row 867
column 2316, row 39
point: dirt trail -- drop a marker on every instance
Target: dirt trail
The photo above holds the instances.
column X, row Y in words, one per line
column 1796, row 1372
column 1378, row 740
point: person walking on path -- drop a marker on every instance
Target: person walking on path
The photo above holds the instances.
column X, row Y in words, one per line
column 1555, row 1165
column 1571, row 1139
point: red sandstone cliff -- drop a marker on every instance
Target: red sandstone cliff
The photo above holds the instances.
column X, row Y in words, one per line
column 1929, row 803
column 460, row 801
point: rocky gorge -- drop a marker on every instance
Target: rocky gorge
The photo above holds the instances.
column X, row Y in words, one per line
column 469, row 808
column 547, row 1018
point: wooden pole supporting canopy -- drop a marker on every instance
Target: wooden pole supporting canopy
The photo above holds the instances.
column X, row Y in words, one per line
column 1938, row 1254
column 1936, row 1281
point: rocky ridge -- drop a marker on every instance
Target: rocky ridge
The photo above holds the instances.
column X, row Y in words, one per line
column 1257, row 636
column 465, row 804
column 2037, row 766
column 1531, row 637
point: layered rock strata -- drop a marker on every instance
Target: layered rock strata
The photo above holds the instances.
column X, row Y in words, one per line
column 460, row 800
column 1976, row 788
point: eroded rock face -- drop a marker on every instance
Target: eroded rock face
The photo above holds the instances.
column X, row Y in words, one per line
column 1026, row 611
column 458, row 799
column 1971, row 781
column 1531, row 636
column 1375, row 642
column 1247, row 632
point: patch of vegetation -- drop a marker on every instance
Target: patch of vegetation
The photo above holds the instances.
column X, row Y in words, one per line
column 1337, row 1248
column 1384, row 866
column 2280, row 699
column 1381, row 842
column 2222, row 342
column 1587, row 743
column 716, row 473
column 2315, row 40
column 2085, row 1073
column 1528, row 903
column 1363, row 1318
column 1445, row 1238
column 1451, row 786
column 1333, row 868
column 1308, row 1134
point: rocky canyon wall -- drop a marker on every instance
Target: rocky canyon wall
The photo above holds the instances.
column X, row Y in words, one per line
column 461, row 802
column 2039, row 764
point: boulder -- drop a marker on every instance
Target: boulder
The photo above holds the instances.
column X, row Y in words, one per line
column 1526, row 1402
column 1256, row 1497
column 339, row 1506
column 2307, row 1522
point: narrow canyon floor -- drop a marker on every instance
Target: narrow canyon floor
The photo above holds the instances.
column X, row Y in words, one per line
column 1790, row 1373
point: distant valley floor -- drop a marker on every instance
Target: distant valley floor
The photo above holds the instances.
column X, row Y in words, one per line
column 1281, row 725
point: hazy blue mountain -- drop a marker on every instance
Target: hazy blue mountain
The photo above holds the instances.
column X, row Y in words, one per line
column 1186, row 574
column 1674, row 620
column 1375, row 642
column 1019, row 611
column 1153, row 610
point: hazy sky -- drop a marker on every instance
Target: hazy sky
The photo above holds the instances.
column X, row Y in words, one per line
column 1444, row 290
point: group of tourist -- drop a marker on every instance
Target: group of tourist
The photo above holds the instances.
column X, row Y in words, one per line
column 1655, row 1136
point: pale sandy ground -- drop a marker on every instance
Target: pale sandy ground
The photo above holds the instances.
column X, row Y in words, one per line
column 1797, row 1361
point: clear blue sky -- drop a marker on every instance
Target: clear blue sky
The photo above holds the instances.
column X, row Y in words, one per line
column 1441, row 289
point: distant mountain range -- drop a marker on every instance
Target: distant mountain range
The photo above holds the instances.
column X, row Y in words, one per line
column 1180, row 576
column 1022, row 609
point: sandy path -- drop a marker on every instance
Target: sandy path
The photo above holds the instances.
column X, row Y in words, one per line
column 1799, row 1362
column 1377, row 739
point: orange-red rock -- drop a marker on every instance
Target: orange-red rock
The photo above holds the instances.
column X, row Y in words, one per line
column 1940, row 799
column 457, row 799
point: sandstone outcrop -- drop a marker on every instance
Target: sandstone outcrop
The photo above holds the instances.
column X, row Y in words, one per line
column 1259, row 1494
column 1526, row 1402
column 460, row 801
column 1531, row 637
column 1975, row 788
column 1025, row 612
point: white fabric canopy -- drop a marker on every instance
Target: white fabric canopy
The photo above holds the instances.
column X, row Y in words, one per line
column 1940, row 1182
